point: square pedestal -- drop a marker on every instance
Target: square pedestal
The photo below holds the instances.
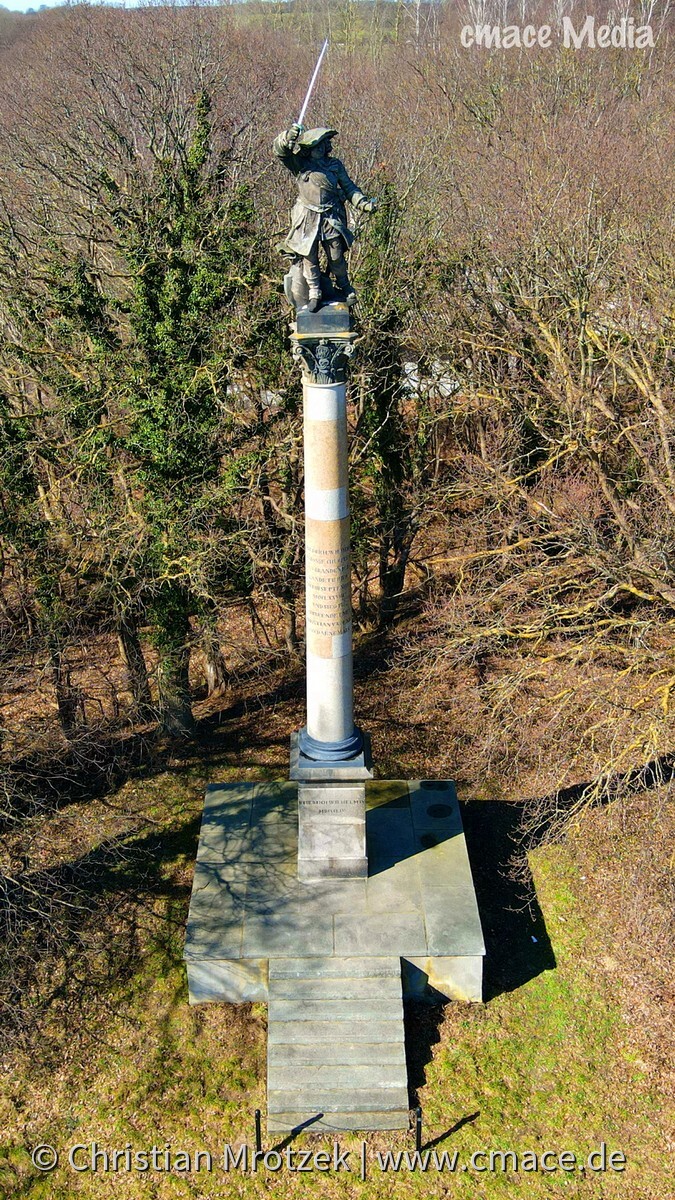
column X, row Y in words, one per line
column 248, row 905
column 333, row 320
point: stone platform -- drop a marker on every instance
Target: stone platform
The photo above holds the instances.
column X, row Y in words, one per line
column 248, row 906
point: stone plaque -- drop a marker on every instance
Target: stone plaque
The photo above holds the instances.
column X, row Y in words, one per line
column 332, row 831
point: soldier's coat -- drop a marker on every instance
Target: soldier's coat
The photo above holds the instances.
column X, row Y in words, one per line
column 319, row 212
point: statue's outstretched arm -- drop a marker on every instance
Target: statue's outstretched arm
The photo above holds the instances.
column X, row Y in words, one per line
column 354, row 195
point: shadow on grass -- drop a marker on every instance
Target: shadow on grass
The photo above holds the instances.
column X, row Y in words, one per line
column 441, row 1137
column 93, row 920
column 422, row 1022
column 517, row 945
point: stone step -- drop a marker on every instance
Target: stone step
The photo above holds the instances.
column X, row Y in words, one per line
column 338, row 1122
column 335, row 1045
column 375, row 987
column 336, row 1054
column 304, row 1032
column 286, row 1076
column 325, row 968
column 348, row 1099
column 339, row 1010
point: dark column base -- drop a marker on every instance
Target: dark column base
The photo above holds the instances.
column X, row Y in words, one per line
column 345, row 766
column 317, row 751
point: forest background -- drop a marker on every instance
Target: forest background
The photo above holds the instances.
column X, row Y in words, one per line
column 512, row 433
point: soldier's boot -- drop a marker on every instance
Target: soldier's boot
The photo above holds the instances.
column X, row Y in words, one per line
column 312, row 273
column 338, row 266
column 339, row 269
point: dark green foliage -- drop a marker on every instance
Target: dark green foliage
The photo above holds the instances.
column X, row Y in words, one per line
column 390, row 424
column 18, row 488
column 132, row 428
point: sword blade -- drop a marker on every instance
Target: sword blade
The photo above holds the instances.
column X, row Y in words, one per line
column 312, row 81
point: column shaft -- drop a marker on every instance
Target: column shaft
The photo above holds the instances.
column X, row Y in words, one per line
column 330, row 717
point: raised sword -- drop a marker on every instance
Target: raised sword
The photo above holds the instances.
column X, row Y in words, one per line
column 312, row 81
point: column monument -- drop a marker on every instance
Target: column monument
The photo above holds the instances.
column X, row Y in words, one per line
column 288, row 906
column 330, row 756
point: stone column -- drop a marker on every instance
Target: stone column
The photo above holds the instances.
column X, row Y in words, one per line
column 329, row 733
column 330, row 752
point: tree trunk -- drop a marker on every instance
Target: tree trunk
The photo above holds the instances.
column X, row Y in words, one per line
column 392, row 573
column 217, row 675
column 136, row 670
column 172, row 641
column 290, row 621
column 66, row 695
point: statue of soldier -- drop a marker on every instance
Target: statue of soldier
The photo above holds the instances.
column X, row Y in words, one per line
column 319, row 217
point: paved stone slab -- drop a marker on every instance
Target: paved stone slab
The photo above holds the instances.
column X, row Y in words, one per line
column 215, row 919
column 337, row 1053
column 335, row 895
column 254, row 845
column 271, row 887
column 370, row 933
column 279, row 797
column 393, row 793
column 228, row 815
column 297, row 929
column 389, row 838
column 228, row 980
column 395, row 891
column 452, row 919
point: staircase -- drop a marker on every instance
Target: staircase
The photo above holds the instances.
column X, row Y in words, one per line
column 335, row 1048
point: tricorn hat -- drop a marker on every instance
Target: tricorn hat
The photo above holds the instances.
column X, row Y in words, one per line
column 312, row 137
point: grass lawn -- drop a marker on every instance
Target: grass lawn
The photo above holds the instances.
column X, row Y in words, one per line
column 550, row 1062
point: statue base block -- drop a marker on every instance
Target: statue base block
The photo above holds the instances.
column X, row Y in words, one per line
column 331, row 320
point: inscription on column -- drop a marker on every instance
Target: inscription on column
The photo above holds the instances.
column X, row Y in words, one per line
column 329, row 604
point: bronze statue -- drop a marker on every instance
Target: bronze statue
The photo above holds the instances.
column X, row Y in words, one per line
column 319, row 217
